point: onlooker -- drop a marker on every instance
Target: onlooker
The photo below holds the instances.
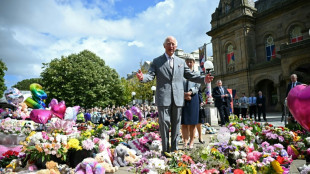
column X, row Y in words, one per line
column 244, row 105
column 222, row 101
column 252, row 105
column 261, row 106
column 236, row 106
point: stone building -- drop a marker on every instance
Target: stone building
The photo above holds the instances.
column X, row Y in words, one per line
column 257, row 46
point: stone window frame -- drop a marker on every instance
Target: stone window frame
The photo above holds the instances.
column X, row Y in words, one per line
column 291, row 27
column 230, row 67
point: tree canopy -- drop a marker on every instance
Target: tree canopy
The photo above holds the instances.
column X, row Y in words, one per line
column 2, row 73
column 82, row 79
column 25, row 84
column 143, row 90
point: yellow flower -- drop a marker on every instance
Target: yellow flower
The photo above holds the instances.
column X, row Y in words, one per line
column 74, row 144
column 213, row 150
column 100, row 126
column 185, row 171
column 253, row 169
column 276, row 166
column 265, row 155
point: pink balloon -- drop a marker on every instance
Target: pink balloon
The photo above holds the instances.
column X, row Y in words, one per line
column 40, row 116
column 59, row 109
column 128, row 114
column 298, row 102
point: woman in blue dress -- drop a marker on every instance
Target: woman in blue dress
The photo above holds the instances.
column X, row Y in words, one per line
column 190, row 112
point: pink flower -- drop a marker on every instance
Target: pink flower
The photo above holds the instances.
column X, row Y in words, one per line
column 96, row 140
column 44, row 135
column 127, row 136
column 88, row 144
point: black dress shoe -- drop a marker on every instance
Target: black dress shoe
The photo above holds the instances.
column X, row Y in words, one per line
column 202, row 142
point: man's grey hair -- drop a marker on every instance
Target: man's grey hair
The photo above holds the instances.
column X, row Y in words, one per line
column 218, row 81
column 294, row 75
column 170, row 37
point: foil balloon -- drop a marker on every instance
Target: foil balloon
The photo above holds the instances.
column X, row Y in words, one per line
column 223, row 135
column 59, row 109
column 128, row 114
column 298, row 102
column 38, row 97
column 40, row 115
column 13, row 96
column 53, row 102
column 71, row 113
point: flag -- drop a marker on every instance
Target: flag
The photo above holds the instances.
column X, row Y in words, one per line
column 230, row 56
column 271, row 52
column 202, row 57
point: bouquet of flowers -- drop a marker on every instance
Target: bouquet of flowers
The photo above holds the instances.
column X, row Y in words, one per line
column 7, row 157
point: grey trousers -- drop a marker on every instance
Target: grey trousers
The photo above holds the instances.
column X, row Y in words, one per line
column 169, row 116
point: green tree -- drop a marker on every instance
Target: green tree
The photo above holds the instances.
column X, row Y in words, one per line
column 126, row 97
column 143, row 90
column 82, row 79
column 2, row 69
column 25, row 84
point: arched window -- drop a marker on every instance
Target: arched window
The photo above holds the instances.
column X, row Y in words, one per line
column 270, row 48
column 230, row 54
column 296, row 35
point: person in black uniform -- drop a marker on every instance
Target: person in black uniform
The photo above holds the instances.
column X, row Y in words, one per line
column 261, row 106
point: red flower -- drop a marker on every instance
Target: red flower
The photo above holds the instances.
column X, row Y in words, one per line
column 240, row 138
column 238, row 171
column 280, row 159
column 270, row 125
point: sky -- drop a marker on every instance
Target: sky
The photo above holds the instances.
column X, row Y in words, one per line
column 121, row 32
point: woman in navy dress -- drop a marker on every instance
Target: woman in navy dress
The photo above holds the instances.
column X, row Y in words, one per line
column 190, row 111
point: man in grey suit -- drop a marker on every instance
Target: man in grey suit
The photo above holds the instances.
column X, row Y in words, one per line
column 170, row 71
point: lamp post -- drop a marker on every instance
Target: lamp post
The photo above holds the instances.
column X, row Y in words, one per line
column 208, row 65
column 133, row 98
column 153, row 88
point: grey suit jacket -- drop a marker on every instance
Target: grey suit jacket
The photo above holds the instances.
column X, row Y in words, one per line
column 170, row 83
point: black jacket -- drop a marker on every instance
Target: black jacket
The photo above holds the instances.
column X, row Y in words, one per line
column 216, row 94
column 289, row 87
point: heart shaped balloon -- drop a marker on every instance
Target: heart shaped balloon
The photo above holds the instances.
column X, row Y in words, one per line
column 53, row 102
column 40, row 116
column 128, row 114
column 71, row 113
column 59, row 109
column 298, row 102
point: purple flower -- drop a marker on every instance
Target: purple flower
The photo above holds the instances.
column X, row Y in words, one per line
column 278, row 146
column 145, row 170
column 281, row 138
column 270, row 149
column 265, row 144
column 232, row 129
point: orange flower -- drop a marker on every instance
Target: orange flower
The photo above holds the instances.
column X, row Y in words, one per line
column 39, row 148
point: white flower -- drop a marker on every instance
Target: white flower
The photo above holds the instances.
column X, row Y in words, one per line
column 51, row 139
column 308, row 140
column 243, row 154
column 156, row 163
column 248, row 132
column 236, row 155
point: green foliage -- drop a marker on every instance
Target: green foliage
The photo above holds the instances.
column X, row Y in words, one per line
column 2, row 69
column 82, row 79
column 25, row 84
column 143, row 90
column 126, row 97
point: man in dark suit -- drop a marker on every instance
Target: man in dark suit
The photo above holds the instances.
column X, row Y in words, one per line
column 293, row 83
column 290, row 86
column 261, row 105
column 170, row 71
column 222, row 101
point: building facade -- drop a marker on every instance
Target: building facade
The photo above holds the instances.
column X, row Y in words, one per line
column 257, row 46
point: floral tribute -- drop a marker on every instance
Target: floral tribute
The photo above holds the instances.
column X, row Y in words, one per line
column 247, row 147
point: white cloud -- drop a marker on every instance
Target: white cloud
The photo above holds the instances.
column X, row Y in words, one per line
column 34, row 32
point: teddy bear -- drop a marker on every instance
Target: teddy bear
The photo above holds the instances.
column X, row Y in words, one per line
column 119, row 156
column 104, row 160
column 155, row 145
column 89, row 166
column 132, row 157
column 14, row 166
column 65, row 169
column 51, row 168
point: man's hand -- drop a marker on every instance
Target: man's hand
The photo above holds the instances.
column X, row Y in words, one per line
column 140, row 75
column 208, row 78
column 187, row 96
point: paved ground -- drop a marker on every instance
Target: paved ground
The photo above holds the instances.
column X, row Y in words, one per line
column 272, row 118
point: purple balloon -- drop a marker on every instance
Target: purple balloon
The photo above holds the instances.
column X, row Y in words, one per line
column 40, row 116
column 135, row 110
column 128, row 114
column 53, row 102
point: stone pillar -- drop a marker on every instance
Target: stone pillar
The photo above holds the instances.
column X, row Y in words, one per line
column 279, row 104
column 211, row 114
